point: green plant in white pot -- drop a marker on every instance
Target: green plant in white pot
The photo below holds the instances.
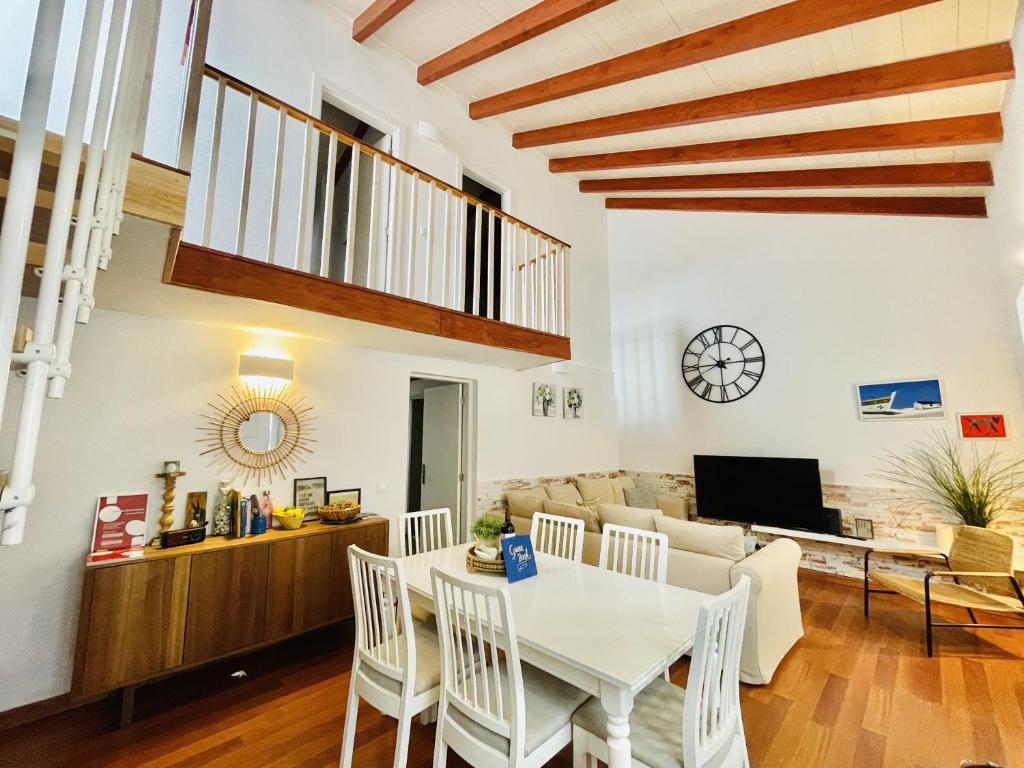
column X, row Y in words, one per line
column 486, row 529
column 973, row 485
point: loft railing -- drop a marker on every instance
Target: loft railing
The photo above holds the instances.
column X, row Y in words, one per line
column 274, row 183
column 67, row 278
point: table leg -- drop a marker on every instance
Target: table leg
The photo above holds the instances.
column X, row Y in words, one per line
column 617, row 703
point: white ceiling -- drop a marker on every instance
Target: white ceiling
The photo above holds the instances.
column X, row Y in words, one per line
column 430, row 27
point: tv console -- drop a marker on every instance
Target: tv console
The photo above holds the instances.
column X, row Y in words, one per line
column 847, row 541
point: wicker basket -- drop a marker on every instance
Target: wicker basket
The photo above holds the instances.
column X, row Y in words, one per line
column 339, row 513
column 475, row 564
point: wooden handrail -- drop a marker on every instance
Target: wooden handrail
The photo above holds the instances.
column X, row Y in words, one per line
column 250, row 90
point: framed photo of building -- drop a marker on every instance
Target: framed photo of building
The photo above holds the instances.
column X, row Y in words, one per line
column 901, row 400
column 310, row 493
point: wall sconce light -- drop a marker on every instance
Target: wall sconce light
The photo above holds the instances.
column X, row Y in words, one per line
column 258, row 370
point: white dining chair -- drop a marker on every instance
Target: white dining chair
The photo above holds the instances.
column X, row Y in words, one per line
column 425, row 531
column 394, row 668
column 558, row 536
column 634, row 552
column 495, row 711
column 696, row 727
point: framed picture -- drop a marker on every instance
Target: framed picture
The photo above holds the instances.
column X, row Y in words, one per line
column 863, row 528
column 544, row 398
column 573, row 403
column 120, row 523
column 347, row 496
column 982, row 426
column 898, row 400
column 195, row 509
column 310, row 493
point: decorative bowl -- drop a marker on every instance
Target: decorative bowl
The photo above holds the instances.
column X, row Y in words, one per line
column 339, row 513
column 289, row 523
column 475, row 564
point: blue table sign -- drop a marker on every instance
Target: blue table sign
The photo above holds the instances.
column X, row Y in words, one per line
column 520, row 562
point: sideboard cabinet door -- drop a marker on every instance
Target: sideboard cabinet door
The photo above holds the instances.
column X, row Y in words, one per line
column 132, row 624
column 298, row 592
column 227, row 601
column 372, row 538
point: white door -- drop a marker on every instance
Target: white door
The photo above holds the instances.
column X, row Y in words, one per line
column 442, row 449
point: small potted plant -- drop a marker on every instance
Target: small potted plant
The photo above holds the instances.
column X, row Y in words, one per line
column 486, row 529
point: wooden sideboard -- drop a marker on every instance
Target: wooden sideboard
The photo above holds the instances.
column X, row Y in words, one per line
column 172, row 609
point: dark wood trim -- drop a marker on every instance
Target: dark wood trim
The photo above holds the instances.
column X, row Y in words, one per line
column 379, row 13
column 774, row 25
column 973, row 174
column 218, row 272
column 245, row 88
column 533, row 22
column 985, row 64
column 968, row 207
column 942, row 132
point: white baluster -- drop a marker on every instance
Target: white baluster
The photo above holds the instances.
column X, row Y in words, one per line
column 275, row 200
column 371, row 243
column 303, row 241
column 325, row 243
column 250, row 139
column 353, row 209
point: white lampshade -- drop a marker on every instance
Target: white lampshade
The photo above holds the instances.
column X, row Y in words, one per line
column 262, row 368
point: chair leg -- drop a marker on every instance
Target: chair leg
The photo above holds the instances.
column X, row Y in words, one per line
column 440, row 748
column 580, row 758
column 348, row 738
column 928, row 616
column 867, row 593
column 971, row 614
column 402, row 738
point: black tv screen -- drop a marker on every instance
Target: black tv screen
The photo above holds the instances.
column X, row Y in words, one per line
column 785, row 493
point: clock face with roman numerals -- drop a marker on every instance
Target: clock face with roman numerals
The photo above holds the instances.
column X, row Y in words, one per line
column 723, row 364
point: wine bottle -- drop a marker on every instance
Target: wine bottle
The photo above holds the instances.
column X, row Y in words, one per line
column 507, row 528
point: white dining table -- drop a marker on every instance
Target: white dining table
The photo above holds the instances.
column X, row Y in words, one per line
column 606, row 633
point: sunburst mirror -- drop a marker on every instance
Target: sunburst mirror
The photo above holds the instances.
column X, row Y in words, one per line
column 261, row 431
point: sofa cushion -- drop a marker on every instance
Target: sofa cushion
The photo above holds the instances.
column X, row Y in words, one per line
column 525, row 502
column 599, row 488
column 567, row 493
column 640, row 497
column 619, row 486
column 701, row 573
column 724, row 541
column 576, row 512
column 674, row 506
column 631, row 517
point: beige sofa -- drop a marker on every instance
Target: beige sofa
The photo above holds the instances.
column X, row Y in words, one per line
column 705, row 558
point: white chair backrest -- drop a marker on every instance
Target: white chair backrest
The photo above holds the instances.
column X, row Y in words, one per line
column 558, row 536
column 480, row 670
column 634, row 552
column 425, row 531
column 712, row 727
column 382, row 615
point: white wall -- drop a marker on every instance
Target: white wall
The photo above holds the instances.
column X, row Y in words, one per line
column 140, row 384
column 834, row 300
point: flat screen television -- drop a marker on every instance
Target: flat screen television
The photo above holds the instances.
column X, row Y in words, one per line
column 785, row 493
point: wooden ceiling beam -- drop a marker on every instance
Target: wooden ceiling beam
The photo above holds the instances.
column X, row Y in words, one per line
column 977, row 174
column 379, row 13
column 985, row 64
column 942, row 132
column 774, row 25
column 533, row 22
column 963, row 207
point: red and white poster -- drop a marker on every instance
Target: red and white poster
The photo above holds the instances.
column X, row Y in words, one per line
column 983, row 426
column 120, row 523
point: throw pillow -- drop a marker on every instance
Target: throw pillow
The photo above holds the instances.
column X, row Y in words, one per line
column 725, row 541
column 566, row 493
column 631, row 517
column 640, row 497
column 674, row 506
column 524, row 503
column 619, row 485
column 599, row 488
column 590, row 504
column 561, row 509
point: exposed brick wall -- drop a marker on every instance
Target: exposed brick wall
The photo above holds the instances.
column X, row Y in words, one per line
column 891, row 516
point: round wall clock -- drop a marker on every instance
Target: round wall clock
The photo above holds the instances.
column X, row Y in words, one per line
column 723, row 363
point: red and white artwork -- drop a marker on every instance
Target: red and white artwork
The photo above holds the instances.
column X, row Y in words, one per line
column 982, row 426
column 120, row 523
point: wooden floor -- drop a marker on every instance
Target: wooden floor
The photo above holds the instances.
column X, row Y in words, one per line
column 852, row 693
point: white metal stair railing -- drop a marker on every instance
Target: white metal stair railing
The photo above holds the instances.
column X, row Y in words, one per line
column 116, row 127
column 407, row 233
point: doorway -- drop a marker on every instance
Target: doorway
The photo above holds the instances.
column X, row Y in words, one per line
column 486, row 299
column 437, row 447
column 339, row 177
